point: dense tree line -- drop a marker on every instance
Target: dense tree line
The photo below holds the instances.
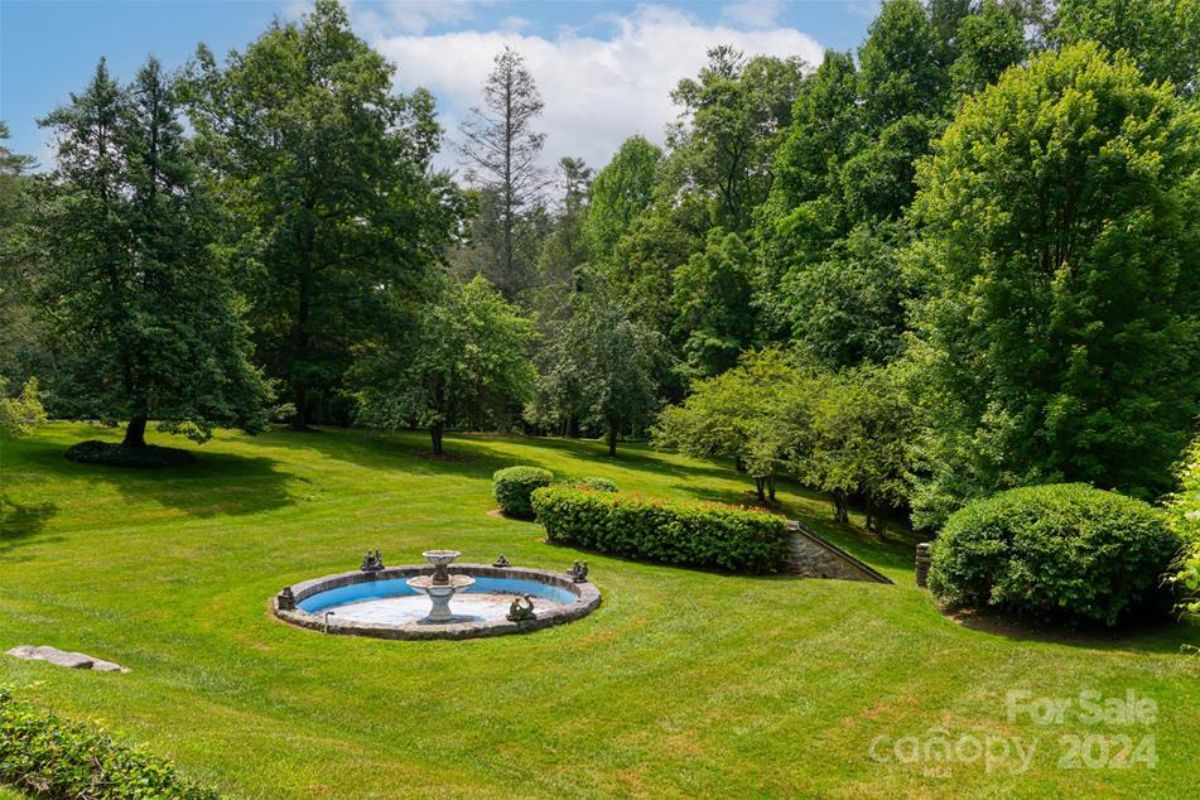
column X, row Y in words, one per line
column 958, row 259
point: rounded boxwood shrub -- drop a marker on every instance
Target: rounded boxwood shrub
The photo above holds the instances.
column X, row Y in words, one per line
column 514, row 485
column 1063, row 553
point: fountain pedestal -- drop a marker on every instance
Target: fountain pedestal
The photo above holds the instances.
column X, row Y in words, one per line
column 440, row 586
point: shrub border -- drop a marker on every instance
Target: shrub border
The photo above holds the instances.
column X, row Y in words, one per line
column 566, row 536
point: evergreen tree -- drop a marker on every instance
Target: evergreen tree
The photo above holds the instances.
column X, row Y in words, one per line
column 22, row 351
column 140, row 302
column 566, row 245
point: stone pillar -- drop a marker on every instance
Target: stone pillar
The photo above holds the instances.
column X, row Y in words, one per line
column 923, row 560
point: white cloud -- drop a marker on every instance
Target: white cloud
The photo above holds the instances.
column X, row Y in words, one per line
column 413, row 16
column 597, row 91
column 754, row 13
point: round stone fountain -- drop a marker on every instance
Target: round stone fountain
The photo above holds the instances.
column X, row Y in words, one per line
column 439, row 600
column 441, row 585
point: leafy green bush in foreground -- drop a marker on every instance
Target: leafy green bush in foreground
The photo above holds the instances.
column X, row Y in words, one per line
column 1063, row 553
column 694, row 534
column 514, row 485
column 45, row 756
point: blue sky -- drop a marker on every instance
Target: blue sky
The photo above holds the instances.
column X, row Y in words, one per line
column 604, row 67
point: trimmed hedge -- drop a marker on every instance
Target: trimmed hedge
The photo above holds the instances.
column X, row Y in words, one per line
column 44, row 756
column 598, row 484
column 1063, row 553
column 513, row 486
column 692, row 534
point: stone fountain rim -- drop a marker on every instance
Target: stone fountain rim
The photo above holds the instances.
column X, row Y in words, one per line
column 587, row 599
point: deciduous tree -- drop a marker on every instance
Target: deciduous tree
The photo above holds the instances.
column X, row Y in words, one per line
column 603, row 366
column 1058, row 337
column 327, row 174
column 755, row 414
column 463, row 361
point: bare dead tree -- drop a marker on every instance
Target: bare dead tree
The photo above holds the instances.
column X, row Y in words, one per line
column 501, row 149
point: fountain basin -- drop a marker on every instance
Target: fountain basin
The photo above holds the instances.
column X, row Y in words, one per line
column 386, row 604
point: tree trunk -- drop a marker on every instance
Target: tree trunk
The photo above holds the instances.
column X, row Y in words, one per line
column 435, row 433
column 300, row 333
column 759, row 485
column 771, row 487
column 300, row 419
column 135, row 433
column 612, row 440
column 738, row 464
column 875, row 519
column 840, row 512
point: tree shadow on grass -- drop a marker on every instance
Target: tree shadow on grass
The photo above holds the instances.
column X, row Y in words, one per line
column 475, row 455
column 19, row 523
column 405, row 452
column 217, row 484
column 1142, row 636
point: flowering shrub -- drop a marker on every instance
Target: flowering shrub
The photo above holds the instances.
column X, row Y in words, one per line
column 693, row 534
column 45, row 756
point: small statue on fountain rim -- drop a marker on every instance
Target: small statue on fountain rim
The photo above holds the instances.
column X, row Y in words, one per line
column 520, row 613
column 578, row 571
column 372, row 561
column 501, row 561
column 286, row 601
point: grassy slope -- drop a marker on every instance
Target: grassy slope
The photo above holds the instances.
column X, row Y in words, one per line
column 683, row 683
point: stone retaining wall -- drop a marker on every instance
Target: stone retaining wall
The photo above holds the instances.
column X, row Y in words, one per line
column 814, row 557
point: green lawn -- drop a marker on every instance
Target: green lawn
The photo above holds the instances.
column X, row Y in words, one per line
column 683, row 683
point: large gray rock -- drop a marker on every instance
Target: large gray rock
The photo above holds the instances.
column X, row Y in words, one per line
column 62, row 658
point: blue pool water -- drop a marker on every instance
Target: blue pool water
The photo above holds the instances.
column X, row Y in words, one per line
column 397, row 587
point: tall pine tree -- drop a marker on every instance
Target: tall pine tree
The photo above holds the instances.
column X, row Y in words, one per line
column 138, row 300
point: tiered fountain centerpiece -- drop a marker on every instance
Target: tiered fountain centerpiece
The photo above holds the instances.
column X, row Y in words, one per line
column 441, row 585
column 414, row 602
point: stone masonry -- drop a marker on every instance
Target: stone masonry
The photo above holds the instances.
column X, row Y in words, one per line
column 814, row 557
